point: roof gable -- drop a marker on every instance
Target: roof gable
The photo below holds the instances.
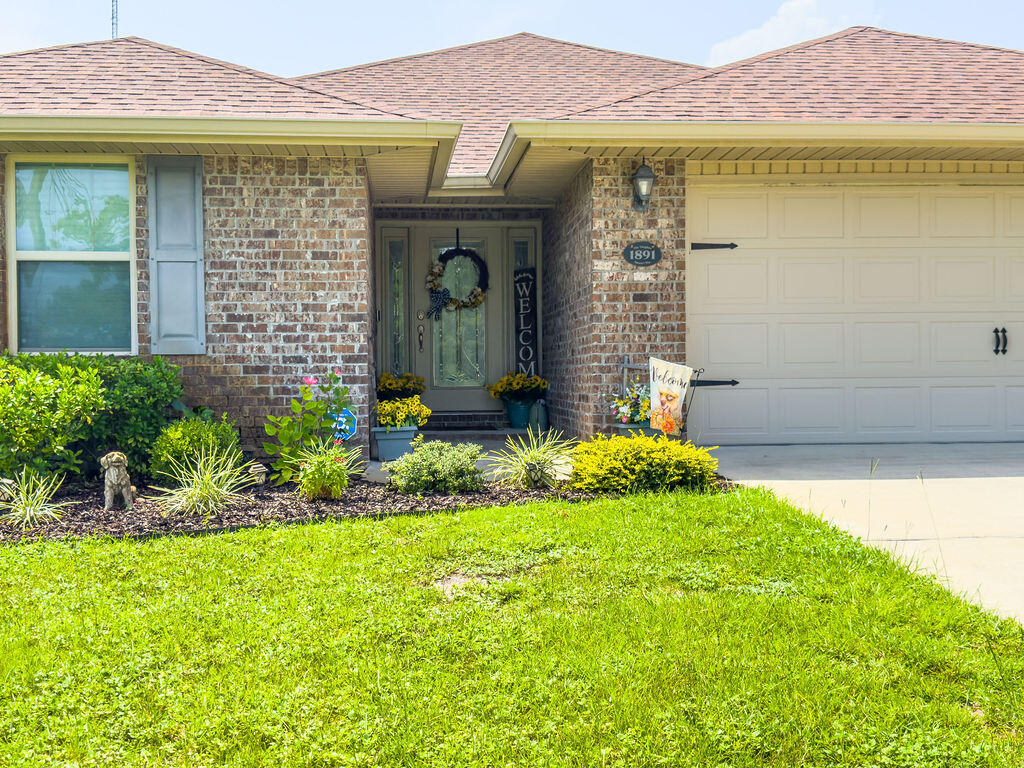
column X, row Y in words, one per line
column 134, row 77
column 487, row 84
column 859, row 74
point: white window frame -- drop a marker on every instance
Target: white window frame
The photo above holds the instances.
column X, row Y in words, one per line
column 14, row 256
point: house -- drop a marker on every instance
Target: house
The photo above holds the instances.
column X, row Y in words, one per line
column 840, row 225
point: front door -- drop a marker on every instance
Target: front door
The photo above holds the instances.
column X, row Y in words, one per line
column 463, row 349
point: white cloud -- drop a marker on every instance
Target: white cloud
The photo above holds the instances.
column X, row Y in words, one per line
column 793, row 22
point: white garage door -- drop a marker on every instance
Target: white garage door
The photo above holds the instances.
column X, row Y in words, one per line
column 857, row 313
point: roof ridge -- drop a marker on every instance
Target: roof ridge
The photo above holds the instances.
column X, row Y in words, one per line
column 61, row 47
column 254, row 73
column 420, row 55
column 463, row 46
column 964, row 43
column 728, row 67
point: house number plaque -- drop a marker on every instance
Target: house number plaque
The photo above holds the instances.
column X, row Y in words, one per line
column 642, row 254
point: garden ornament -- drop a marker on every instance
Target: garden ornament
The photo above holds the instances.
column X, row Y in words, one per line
column 116, row 481
column 258, row 473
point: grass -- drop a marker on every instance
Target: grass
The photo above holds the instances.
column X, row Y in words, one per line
column 673, row 630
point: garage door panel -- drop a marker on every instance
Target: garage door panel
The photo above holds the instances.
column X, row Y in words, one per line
column 1014, row 403
column 963, row 408
column 810, row 214
column 736, row 344
column 728, row 281
column 1015, row 278
column 811, row 280
column 963, row 279
column 888, row 345
column 1014, row 211
column 885, row 215
column 961, row 343
column 732, row 215
column 888, row 409
column 880, row 280
column 734, row 412
column 807, row 409
column 963, row 214
column 810, row 343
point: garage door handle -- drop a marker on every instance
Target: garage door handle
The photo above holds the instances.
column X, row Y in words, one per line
column 995, row 351
column 1003, row 331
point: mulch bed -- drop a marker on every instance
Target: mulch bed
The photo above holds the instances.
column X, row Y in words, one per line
column 85, row 516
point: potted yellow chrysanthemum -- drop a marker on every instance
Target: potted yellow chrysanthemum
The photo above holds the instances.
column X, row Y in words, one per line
column 400, row 414
column 519, row 393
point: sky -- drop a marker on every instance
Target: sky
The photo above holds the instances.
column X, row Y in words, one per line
column 304, row 36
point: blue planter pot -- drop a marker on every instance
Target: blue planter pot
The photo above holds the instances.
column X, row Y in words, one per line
column 391, row 445
column 642, row 427
column 518, row 412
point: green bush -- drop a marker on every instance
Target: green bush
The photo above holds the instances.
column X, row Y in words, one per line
column 324, row 472
column 137, row 403
column 182, row 441
column 639, row 463
column 436, row 467
column 43, row 416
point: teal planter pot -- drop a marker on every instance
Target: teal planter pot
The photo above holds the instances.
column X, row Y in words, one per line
column 391, row 445
column 518, row 412
column 642, row 427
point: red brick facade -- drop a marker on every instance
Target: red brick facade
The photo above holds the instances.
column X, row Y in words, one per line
column 599, row 310
column 288, row 276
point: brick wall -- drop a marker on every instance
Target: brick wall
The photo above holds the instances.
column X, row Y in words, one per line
column 599, row 310
column 288, row 271
column 567, row 307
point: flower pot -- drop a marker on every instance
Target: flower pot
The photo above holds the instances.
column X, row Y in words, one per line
column 518, row 412
column 394, row 443
column 643, row 427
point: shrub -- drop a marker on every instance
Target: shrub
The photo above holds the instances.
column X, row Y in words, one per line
column 203, row 486
column 405, row 412
column 638, row 463
column 138, row 395
column 313, row 417
column 324, row 472
column 44, row 416
column 183, row 440
column 27, row 502
column 436, row 467
column 391, row 387
column 533, row 462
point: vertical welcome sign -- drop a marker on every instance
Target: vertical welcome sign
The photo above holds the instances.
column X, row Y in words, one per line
column 669, row 382
column 524, row 291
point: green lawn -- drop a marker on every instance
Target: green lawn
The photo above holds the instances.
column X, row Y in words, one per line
column 674, row 630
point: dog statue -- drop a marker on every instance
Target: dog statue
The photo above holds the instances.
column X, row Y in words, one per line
column 116, row 481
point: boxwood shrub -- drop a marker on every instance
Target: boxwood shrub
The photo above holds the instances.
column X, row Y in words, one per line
column 184, row 440
column 137, row 400
column 638, row 463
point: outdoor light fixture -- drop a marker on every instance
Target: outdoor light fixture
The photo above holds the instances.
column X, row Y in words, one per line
column 643, row 184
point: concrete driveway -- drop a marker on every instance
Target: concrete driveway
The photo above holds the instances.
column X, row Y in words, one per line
column 956, row 510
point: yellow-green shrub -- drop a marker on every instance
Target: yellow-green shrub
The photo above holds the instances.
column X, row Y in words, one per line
column 621, row 464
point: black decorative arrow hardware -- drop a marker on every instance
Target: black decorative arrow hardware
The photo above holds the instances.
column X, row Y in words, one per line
column 714, row 383
column 1003, row 331
column 996, row 350
column 710, row 246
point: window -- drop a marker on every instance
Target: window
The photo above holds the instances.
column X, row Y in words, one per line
column 71, row 272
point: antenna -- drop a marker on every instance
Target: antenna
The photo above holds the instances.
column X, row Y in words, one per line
column 113, row 19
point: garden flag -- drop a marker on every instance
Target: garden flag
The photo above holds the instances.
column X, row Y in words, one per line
column 669, row 382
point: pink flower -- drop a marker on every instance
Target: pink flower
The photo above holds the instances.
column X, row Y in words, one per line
column 337, row 458
column 311, row 380
column 338, row 442
column 337, row 371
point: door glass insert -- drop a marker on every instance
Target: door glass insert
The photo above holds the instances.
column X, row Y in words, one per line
column 396, row 285
column 459, row 337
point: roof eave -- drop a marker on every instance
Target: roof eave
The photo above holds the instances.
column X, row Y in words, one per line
column 214, row 130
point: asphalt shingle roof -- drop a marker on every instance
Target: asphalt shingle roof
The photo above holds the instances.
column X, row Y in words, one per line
column 485, row 85
column 130, row 76
column 860, row 74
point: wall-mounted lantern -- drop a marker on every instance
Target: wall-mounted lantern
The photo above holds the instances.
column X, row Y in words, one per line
column 643, row 185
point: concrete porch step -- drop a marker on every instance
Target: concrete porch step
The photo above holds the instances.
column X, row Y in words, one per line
column 488, row 439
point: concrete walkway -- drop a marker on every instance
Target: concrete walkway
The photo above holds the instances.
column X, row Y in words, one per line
column 955, row 510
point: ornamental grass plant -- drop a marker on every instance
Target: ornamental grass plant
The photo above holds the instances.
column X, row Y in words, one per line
column 205, row 484
column 27, row 501
column 533, row 462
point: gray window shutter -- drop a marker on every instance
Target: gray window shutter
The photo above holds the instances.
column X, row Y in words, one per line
column 176, row 297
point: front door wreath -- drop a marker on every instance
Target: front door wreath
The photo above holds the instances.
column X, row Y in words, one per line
column 441, row 298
